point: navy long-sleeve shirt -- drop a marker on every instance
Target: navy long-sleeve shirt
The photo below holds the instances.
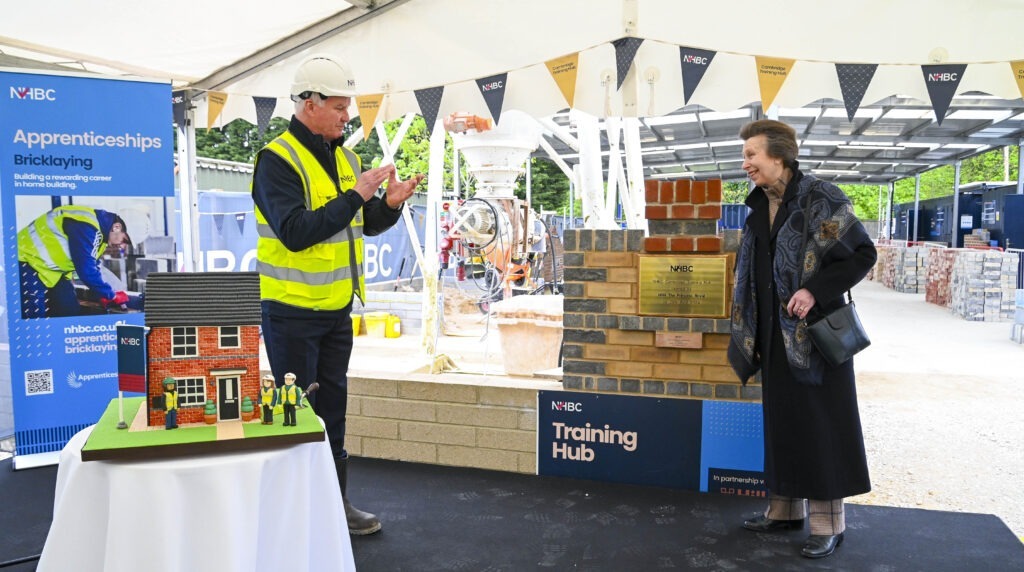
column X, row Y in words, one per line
column 84, row 242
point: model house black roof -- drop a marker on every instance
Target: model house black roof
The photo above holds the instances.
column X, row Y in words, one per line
column 202, row 299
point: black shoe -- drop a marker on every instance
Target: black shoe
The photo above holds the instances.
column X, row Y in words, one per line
column 821, row 545
column 762, row 523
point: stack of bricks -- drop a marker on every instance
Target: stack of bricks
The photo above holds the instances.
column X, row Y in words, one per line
column 1017, row 334
column 904, row 268
column 607, row 345
column 983, row 285
column 682, row 216
column 940, row 268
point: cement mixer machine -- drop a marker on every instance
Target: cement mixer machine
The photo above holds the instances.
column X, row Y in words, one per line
column 499, row 237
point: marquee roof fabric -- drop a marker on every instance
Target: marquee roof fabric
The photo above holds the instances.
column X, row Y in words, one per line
column 629, row 63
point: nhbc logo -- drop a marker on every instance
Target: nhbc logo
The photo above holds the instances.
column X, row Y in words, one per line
column 33, row 93
column 570, row 406
column 947, row 76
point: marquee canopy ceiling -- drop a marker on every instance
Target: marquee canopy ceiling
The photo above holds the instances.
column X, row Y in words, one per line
column 398, row 47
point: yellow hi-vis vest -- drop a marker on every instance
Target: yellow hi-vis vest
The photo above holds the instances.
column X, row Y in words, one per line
column 43, row 245
column 171, row 400
column 322, row 276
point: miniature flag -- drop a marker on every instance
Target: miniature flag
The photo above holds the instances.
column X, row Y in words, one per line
column 131, row 358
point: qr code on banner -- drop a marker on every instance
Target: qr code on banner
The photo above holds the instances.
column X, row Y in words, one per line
column 39, row 382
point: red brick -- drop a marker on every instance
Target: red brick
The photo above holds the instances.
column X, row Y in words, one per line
column 656, row 212
column 714, row 190
column 705, row 212
column 698, row 192
column 709, row 243
column 667, row 192
column 683, row 191
column 681, row 212
column 681, row 244
column 656, row 244
column 651, row 190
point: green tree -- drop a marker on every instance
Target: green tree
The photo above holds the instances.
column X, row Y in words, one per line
column 549, row 187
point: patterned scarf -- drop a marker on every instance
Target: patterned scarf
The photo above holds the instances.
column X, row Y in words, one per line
column 831, row 223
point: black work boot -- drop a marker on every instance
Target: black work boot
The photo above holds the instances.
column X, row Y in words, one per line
column 359, row 523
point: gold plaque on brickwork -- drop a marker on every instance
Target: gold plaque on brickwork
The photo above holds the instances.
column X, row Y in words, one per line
column 692, row 286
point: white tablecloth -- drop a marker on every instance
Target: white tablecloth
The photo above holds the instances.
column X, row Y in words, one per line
column 278, row 509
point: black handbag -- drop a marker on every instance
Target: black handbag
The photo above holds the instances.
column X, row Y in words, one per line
column 838, row 335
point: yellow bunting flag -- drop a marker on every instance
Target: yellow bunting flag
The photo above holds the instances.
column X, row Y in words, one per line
column 369, row 106
column 563, row 70
column 1018, row 74
column 215, row 101
column 771, row 74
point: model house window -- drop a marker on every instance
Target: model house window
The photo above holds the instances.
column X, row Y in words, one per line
column 184, row 342
column 191, row 391
column 229, row 337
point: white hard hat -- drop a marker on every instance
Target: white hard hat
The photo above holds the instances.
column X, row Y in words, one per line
column 325, row 75
column 268, row 377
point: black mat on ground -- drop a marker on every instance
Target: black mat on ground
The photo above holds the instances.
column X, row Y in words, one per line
column 26, row 509
column 444, row 518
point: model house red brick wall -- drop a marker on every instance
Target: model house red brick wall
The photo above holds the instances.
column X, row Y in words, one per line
column 201, row 307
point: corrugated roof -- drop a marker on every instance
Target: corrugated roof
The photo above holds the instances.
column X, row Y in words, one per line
column 202, row 299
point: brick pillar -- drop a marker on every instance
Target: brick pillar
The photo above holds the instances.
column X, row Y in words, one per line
column 607, row 345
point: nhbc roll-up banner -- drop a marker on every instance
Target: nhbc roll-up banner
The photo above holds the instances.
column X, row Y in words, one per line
column 86, row 188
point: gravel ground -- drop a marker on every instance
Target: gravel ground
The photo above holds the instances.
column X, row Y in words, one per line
column 942, row 407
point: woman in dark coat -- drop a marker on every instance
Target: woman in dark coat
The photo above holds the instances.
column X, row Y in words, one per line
column 814, row 448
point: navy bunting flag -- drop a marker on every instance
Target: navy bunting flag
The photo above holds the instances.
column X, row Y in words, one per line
column 625, row 51
column 178, row 106
column 694, row 63
column 240, row 221
column 429, row 100
column 942, row 81
column 264, row 111
column 493, row 90
column 854, row 80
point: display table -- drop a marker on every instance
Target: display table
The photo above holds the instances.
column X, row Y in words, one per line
column 277, row 509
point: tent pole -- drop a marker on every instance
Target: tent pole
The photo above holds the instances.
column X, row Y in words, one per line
column 955, row 223
column 917, row 206
column 188, row 199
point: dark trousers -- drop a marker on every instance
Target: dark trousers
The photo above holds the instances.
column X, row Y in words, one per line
column 315, row 346
column 171, row 422
column 38, row 301
column 268, row 414
column 289, row 414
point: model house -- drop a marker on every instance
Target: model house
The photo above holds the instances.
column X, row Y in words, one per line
column 204, row 330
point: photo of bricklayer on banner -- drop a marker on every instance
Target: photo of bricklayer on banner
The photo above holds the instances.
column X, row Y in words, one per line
column 87, row 195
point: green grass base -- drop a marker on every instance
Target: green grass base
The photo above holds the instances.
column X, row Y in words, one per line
column 107, row 442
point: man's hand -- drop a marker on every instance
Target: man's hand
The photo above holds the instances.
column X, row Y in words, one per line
column 371, row 180
column 119, row 299
column 399, row 191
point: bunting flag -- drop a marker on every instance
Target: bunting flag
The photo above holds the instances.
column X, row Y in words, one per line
column 429, row 100
column 854, row 80
column 1018, row 74
column 240, row 221
column 942, row 81
column 218, row 221
column 264, row 111
column 771, row 74
column 493, row 90
column 215, row 101
column 369, row 107
column 563, row 70
column 178, row 107
column 694, row 63
column 625, row 51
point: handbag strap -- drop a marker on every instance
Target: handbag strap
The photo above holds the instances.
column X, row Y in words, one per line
column 803, row 244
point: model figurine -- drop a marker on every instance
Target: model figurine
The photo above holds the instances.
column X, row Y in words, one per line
column 291, row 397
column 268, row 399
column 170, row 403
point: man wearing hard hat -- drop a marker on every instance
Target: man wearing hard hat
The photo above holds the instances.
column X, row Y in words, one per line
column 314, row 203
